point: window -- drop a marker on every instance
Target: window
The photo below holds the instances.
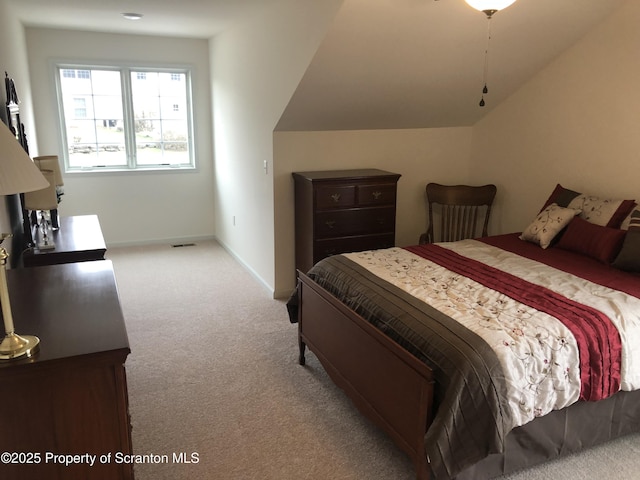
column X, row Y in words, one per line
column 125, row 118
column 80, row 107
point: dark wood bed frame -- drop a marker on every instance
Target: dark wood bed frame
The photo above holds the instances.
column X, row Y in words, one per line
column 388, row 384
column 395, row 390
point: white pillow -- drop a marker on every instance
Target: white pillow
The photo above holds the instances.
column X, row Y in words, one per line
column 548, row 224
column 595, row 209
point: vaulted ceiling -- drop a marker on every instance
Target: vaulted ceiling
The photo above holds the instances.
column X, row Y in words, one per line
column 420, row 63
column 383, row 63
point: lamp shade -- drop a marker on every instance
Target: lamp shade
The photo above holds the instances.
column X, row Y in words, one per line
column 489, row 5
column 45, row 199
column 50, row 162
column 18, row 174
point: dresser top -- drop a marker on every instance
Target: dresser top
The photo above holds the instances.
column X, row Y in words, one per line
column 79, row 232
column 73, row 308
column 352, row 174
column 78, row 238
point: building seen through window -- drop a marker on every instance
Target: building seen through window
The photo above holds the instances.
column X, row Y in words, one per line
column 125, row 118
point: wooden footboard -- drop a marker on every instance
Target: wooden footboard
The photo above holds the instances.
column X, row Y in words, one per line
column 387, row 384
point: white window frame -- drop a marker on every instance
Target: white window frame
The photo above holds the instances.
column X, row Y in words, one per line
column 129, row 121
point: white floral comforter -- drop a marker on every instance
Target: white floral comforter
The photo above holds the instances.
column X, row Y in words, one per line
column 539, row 355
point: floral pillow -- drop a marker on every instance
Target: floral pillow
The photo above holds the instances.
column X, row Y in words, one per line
column 548, row 224
column 606, row 212
column 629, row 257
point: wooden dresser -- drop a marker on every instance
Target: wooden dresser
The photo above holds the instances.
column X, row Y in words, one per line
column 79, row 239
column 338, row 211
column 70, row 398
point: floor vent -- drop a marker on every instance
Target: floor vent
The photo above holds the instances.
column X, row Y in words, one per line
column 183, row 245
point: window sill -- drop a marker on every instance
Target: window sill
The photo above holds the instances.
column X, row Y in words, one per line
column 138, row 170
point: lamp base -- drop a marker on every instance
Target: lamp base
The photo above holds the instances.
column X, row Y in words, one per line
column 15, row 346
column 46, row 246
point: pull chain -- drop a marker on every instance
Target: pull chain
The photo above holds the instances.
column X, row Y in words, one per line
column 486, row 61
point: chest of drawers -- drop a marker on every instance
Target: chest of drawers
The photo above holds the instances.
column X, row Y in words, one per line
column 71, row 396
column 338, row 211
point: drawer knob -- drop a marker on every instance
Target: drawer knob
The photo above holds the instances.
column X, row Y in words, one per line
column 336, row 197
column 330, row 223
column 376, row 195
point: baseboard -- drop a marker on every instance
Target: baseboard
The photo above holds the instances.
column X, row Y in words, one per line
column 162, row 241
column 253, row 273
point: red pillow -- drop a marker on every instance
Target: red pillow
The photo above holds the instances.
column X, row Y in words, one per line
column 595, row 241
column 561, row 196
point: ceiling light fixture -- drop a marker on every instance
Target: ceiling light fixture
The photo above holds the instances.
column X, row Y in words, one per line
column 135, row 16
column 489, row 8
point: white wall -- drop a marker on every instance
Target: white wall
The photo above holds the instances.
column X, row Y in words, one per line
column 255, row 68
column 575, row 123
column 419, row 155
column 135, row 207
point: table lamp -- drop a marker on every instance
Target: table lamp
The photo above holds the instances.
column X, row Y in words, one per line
column 48, row 198
column 18, row 174
column 41, row 200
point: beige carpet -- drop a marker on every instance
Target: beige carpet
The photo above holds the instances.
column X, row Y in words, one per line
column 213, row 375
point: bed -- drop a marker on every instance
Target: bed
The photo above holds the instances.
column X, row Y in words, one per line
column 485, row 356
